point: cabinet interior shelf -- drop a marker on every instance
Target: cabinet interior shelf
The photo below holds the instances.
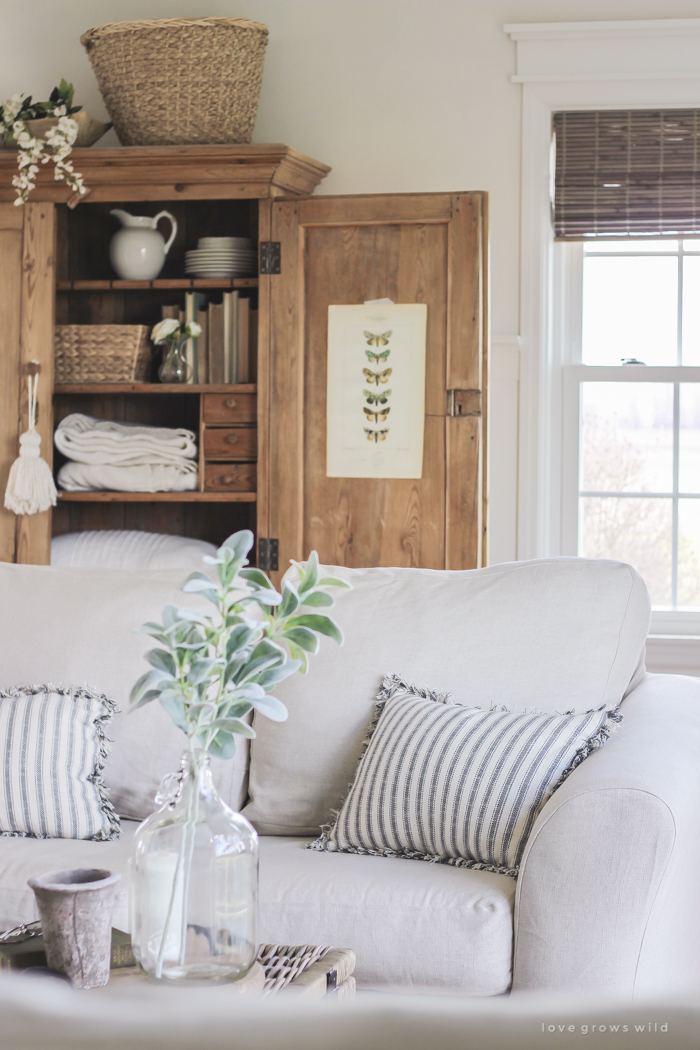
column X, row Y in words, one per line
column 164, row 284
column 155, row 388
column 157, row 497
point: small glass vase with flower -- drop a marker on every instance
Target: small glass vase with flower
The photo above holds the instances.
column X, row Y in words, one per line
column 173, row 336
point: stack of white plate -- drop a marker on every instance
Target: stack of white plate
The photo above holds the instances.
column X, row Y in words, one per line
column 222, row 257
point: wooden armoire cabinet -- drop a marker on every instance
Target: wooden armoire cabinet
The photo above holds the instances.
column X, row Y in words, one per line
column 314, row 252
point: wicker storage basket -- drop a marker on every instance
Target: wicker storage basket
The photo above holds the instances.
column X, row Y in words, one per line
column 179, row 81
column 102, row 353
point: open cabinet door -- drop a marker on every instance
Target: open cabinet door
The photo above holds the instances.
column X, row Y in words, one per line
column 412, row 248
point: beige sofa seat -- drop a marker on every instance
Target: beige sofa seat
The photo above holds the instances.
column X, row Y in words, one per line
column 409, row 923
column 20, row 858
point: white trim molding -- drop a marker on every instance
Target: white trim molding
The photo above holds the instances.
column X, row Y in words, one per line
column 673, row 654
column 504, row 397
column 538, row 78
column 505, row 358
column 601, row 51
column 656, row 27
column 577, row 65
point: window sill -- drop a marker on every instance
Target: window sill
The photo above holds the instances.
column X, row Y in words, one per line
column 673, row 654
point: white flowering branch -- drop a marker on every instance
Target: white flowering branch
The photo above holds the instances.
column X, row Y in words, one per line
column 33, row 151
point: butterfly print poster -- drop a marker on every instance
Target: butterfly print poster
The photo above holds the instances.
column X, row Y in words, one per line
column 376, row 390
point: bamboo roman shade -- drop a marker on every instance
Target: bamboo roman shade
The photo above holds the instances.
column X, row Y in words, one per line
column 627, row 172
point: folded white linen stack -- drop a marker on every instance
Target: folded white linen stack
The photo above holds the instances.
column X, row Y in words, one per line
column 125, row 457
column 146, row 477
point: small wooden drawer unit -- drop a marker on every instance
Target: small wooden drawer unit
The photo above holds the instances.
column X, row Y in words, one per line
column 234, row 443
column 229, row 442
column 229, row 408
column 230, row 477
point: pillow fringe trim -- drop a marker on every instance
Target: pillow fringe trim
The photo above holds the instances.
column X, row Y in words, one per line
column 609, row 726
column 390, row 684
column 323, row 844
column 96, row 778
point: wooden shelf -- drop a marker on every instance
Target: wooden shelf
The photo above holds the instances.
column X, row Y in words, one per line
column 155, row 388
column 157, row 497
column 157, row 285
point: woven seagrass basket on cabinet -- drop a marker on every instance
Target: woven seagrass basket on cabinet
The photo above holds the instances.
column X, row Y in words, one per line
column 179, row 81
column 102, row 353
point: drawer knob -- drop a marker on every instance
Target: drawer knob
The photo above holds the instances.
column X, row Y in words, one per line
column 231, row 439
column 231, row 402
column 229, row 479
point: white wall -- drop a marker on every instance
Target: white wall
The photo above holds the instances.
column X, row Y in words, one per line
column 396, row 95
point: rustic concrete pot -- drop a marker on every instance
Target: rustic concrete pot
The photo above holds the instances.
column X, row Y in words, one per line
column 75, row 907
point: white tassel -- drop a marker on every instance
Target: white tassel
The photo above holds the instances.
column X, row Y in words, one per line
column 30, row 487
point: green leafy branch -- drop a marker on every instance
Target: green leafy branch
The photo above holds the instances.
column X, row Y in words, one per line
column 211, row 672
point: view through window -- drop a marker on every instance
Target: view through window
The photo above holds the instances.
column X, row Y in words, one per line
column 639, row 498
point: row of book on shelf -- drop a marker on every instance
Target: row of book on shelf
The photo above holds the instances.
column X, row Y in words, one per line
column 225, row 352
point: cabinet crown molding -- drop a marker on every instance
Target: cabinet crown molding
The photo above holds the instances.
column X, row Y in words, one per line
column 176, row 172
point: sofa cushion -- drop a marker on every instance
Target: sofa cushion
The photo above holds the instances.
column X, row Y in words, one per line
column 22, row 858
column 417, row 924
column 77, row 627
column 555, row 635
column 425, row 925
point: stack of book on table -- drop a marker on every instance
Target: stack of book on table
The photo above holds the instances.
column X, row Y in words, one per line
column 225, row 351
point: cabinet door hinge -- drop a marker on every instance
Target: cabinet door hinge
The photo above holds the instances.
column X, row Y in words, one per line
column 268, row 555
column 270, row 257
column 464, row 402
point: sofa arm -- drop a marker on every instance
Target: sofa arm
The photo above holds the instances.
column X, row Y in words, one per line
column 607, row 896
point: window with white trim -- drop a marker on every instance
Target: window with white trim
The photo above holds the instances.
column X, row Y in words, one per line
column 627, row 225
column 631, row 413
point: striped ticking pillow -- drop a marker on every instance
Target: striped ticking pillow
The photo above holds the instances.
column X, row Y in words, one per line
column 53, row 747
column 442, row 782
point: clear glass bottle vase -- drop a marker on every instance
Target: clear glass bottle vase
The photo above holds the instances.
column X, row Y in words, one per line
column 194, row 882
column 174, row 368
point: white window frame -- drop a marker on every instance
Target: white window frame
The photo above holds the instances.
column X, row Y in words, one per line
column 663, row 621
column 575, row 66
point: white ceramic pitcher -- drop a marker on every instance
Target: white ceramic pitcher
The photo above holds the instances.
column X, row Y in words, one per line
column 137, row 251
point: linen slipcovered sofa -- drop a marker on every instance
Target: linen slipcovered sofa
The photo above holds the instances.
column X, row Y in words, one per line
column 53, row 1016
column 606, row 897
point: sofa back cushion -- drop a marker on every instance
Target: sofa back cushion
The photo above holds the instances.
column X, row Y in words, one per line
column 77, row 627
column 553, row 635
